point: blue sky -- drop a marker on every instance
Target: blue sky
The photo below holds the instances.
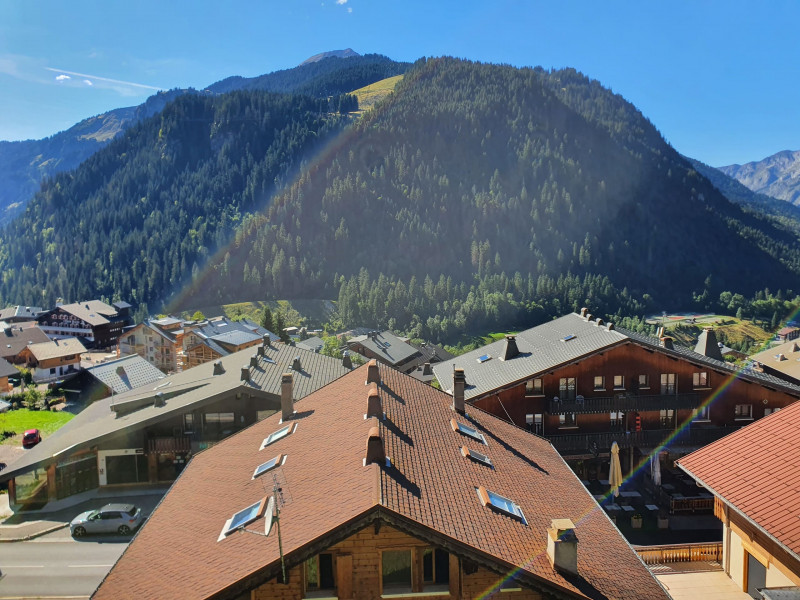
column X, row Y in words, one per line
column 718, row 79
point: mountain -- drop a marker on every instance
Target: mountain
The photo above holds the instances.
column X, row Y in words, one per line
column 777, row 175
column 332, row 54
column 25, row 164
column 473, row 194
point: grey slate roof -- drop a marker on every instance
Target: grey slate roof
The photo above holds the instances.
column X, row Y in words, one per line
column 542, row 349
column 13, row 338
column 313, row 343
column 183, row 391
column 235, row 338
column 7, row 369
column 389, row 346
column 707, row 345
column 20, row 312
column 126, row 373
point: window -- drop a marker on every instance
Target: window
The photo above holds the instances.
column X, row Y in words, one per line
column 743, row 411
column 619, row 382
column 668, row 383
column 319, row 573
column 188, row 423
column 599, row 382
column 396, row 571
column 667, row 417
column 534, row 423
column 277, row 435
column 500, row 503
column 245, row 516
column 219, row 418
column 769, row 411
column 566, row 389
column 468, row 431
column 644, row 381
column 267, row 466
column 476, row 456
column 534, row 386
column 435, row 569
column 52, row 371
column 701, row 414
column 616, row 420
column 700, row 380
column 567, row 420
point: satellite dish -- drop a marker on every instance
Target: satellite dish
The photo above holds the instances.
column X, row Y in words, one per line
column 269, row 515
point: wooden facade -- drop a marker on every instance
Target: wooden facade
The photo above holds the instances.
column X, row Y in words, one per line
column 357, row 568
column 635, row 395
column 157, row 349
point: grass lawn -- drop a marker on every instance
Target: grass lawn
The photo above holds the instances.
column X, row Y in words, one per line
column 368, row 96
column 20, row 420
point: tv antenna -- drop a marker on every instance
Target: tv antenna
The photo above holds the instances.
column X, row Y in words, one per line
column 279, row 498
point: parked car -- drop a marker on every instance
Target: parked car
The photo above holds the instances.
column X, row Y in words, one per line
column 30, row 438
column 112, row 518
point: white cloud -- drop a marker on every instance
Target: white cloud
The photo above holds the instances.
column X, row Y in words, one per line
column 63, row 77
column 349, row 9
column 340, row 2
column 87, row 82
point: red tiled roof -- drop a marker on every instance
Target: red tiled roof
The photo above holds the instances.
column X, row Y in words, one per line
column 756, row 470
column 429, row 486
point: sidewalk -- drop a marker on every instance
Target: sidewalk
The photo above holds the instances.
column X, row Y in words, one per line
column 26, row 525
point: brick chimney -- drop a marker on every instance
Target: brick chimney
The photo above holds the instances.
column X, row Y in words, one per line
column 287, row 409
column 459, row 383
column 562, row 546
column 510, row 350
column 375, row 450
column 374, row 407
column 373, row 375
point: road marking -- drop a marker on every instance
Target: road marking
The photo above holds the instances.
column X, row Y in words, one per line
column 24, row 566
column 90, row 566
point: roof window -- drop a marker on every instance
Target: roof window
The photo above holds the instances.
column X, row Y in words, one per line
column 269, row 465
column 500, row 503
column 245, row 517
column 468, row 431
column 277, row 435
column 484, row 358
column 476, row 456
column 569, row 337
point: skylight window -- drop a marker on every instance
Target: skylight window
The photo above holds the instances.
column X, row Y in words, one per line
column 277, row 435
column 476, row 456
column 500, row 503
column 268, row 466
column 484, row 358
column 468, row 431
column 245, row 517
column 569, row 337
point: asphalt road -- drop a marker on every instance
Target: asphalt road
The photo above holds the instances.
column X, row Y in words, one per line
column 56, row 566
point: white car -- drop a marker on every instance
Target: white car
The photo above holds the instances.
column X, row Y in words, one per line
column 112, row 518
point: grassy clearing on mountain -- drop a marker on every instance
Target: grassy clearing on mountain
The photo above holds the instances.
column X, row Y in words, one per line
column 369, row 95
column 23, row 419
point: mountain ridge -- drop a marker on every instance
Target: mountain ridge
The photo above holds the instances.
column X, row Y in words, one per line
column 777, row 175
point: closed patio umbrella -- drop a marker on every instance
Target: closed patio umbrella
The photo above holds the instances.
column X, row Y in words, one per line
column 615, row 470
column 655, row 468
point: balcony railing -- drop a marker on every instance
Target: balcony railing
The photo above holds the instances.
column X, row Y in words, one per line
column 581, row 443
column 675, row 553
column 624, row 403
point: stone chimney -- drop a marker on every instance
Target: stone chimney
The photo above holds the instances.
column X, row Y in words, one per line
column 666, row 342
column 562, row 546
column 373, row 375
column 245, row 373
column 296, row 366
column 510, row 350
column 375, row 450
column 267, row 341
column 426, row 369
column 287, row 408
column 707, row 345
column 218, row 368
column 459, row 383
column 260, row 350
column 374, row 407
column 254, row 361
column 347, row 363
column 584, row 312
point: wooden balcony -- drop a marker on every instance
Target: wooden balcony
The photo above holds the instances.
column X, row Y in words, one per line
column 676, row 553
column 624, row 403
column 581, row 443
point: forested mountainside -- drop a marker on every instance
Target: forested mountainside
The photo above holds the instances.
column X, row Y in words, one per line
column 475, row 194
column 330, row 76
column 24, row 165
column 777, row 175
column 136, row 219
